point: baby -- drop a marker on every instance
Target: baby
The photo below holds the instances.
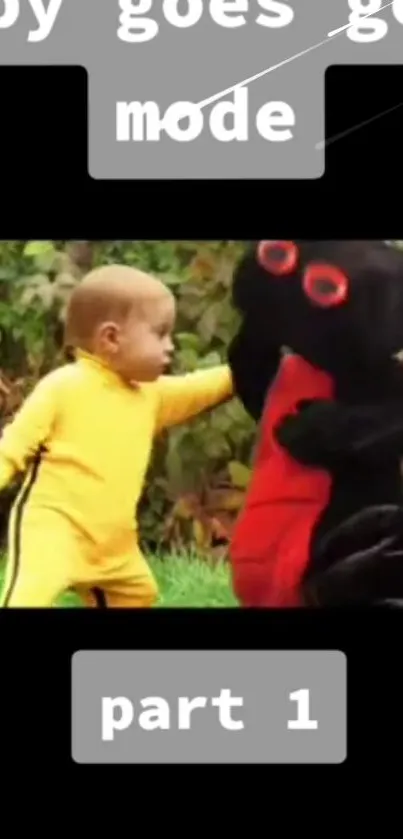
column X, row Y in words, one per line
column 84, row 438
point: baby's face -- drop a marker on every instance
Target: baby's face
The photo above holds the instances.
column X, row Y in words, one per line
column 145, row 343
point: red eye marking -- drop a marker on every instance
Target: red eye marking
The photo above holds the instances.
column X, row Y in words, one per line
column 325, row 285
column 278, row 258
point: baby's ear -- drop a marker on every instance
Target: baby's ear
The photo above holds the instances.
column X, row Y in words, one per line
column 107, row 335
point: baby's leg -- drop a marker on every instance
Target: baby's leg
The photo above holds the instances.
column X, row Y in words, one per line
column 125, row 583
column 43, row 552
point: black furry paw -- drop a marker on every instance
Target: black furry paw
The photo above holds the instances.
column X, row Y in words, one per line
column 381, row 526
column 362, row 561
column 307, row 435
column 377, row 528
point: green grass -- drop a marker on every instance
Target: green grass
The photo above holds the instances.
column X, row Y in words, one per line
column 185, row 582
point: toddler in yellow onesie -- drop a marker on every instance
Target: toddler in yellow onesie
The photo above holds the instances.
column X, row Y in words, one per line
column 83, row 438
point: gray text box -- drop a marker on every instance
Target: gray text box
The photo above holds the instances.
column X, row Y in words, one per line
column 177, row 63
column 209, row 706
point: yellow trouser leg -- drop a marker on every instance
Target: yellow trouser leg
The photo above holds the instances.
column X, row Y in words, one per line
column 122, row 582
column 43, row 551
column 47, row 556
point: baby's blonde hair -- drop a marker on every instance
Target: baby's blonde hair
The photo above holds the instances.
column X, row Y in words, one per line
column 110, row 293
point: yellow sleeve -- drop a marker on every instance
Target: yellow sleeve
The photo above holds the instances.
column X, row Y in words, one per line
column 181, row 398
column 28, row 430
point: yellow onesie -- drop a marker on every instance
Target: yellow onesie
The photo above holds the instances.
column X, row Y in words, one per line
column 86, row 439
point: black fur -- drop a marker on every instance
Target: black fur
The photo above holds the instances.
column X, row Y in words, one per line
column 358, row 437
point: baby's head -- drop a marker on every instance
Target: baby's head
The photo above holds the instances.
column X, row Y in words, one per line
column 124, row 317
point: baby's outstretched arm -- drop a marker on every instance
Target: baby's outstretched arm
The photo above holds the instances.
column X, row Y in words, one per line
column 182, row 397
column 27, row 431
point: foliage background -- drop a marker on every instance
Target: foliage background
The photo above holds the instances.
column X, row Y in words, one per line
column 199, row 471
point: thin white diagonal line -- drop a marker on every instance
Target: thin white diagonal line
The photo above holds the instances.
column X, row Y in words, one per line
column 347, row 25
column 334, row 34
column 321, row 145
column 259, row 75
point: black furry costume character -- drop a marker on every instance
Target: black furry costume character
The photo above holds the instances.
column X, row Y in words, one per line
column 322, row 522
